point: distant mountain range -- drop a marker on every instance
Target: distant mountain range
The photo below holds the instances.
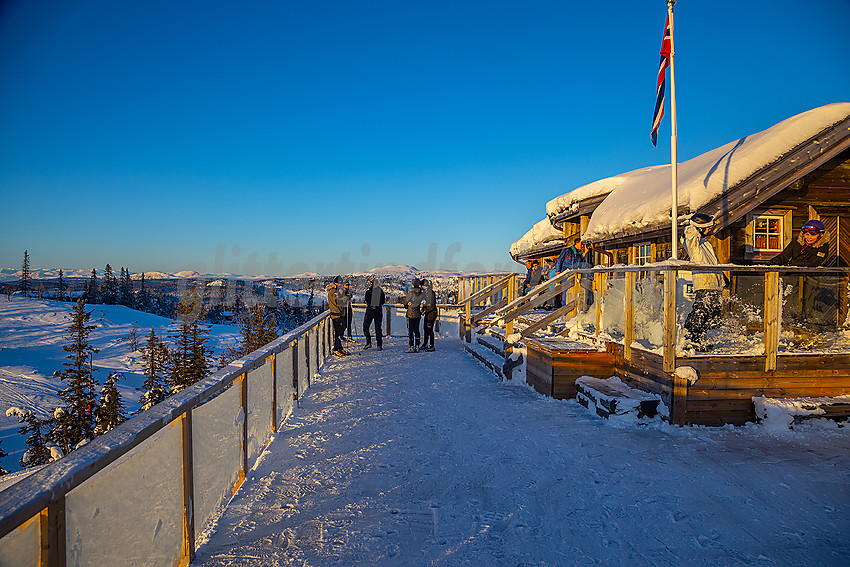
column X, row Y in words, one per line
column 393, row 271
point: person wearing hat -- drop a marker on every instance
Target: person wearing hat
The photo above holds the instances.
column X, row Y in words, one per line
column 374, row 302
column 337, row 314
column 810, row 248
column 413, row 302
column 429, row 315
column 348, row 298
column 819, row 300
column 705, row 313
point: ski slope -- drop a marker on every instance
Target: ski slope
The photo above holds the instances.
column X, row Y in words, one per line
column 426, row 459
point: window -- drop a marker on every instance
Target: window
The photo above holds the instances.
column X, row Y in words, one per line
column 768, row 233
column 643, row 253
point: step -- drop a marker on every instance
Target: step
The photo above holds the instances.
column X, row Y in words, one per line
column 785, row 413
column 611, row 396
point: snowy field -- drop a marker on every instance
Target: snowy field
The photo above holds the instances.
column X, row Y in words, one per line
column 32, row 334
column 426, row 459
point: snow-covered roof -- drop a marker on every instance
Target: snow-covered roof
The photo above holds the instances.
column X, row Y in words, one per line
column 570, row 201
column 540, row 234
column 641, row 198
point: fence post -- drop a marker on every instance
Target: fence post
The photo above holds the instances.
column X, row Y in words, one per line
column 509, row 326
column 771, row 319
column 629, row 316
column 388, row 318
column 55, row 532
column 274, row 392
column 669, row 341
column 306, row 337
column 189, row 489
column 599, row 287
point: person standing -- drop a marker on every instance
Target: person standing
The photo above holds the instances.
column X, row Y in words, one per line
column 572, row 258
column 429, row 315
column 374, row 303
column 337, row 315
column 819, row 309
column 348, row 299
column 413, row 302
column 705, row 313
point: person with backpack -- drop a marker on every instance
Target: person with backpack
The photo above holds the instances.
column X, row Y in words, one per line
column 413, row 301
column 429, row 315
column 375, row 299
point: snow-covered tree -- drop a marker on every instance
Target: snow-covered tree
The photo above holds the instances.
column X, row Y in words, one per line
column 37, row 452
column 189, row 359
column 79, row 395
column 155, row 358
column 25, row 273
column 111, row 411
column 2, row 455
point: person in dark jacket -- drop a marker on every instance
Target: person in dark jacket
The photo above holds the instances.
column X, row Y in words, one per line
column 429, row 315
column 375, row 300
column 346, row 298
column 337, row 315
column 819, row 309
column 413, row 303
column 810, row 248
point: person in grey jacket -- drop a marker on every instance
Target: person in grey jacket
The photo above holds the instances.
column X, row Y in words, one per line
column 375, row 300
column 429, row 315
column 413, row 303
column 705, row 313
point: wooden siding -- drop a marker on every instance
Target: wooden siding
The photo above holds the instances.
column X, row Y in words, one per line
column 553, row 372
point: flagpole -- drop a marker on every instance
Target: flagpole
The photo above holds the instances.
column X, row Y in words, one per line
column 674, row 210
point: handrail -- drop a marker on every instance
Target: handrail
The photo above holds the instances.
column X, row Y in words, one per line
column 28, row 497
column 489, row 290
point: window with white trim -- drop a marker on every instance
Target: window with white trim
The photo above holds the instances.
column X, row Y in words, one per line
column 768, row 233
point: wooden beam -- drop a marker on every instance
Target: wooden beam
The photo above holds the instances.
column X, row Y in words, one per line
column 537, row 325
column 188, row 491
column 669, row 341
column 772, row 303
column 629, row 323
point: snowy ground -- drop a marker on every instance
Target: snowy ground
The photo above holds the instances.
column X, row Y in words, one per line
column 426, row 459
column 32, row 334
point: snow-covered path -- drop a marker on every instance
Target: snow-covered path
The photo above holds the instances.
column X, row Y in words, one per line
column 425, row 459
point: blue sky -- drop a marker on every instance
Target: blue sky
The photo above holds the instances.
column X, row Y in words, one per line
column 282, row 136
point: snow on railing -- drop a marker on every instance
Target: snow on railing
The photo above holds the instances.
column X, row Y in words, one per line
column 140, row 493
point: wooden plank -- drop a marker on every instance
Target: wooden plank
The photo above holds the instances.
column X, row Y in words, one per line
column 772, row 306
column 669, row 340
column 488, row 311
column 536, row 302
column 188, row 490
column 629, row 322
column 548, row 319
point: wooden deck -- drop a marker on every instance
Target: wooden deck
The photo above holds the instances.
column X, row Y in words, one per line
column 722, row 394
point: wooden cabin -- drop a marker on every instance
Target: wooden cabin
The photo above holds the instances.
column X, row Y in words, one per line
column 761, row 189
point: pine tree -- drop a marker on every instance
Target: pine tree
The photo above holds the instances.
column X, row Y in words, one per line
column 61, row 285
column 92, row 295
column 143, row 300
column 155, row 363
column 189, row 360
column 37, row 452
column 79, row 395
column 125, row 289
column 25, row 273
column 111, row 411
column 3, row 454
column 109, row 286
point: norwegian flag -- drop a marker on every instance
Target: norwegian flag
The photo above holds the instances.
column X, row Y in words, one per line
column 666, row 48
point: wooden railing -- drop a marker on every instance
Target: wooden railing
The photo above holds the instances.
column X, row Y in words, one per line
column 570, row 284
column 139, row 493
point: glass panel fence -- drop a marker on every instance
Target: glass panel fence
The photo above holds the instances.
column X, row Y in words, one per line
column 217, row 452
column 649, row 310
column 259, row 408
column 614, row 312
column 22, row 546
column 131, row 513
column 284, row 384
column 814, row 312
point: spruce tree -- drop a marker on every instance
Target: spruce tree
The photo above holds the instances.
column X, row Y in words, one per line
column 79, row 396
column 189, row 360
column 25, row 273
column 155, row 363
column 111, row 411
column 125, row 289
column 143, row 300
column 109, row 287
column 93, row 289
column 37, row 452
column 61, row 285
